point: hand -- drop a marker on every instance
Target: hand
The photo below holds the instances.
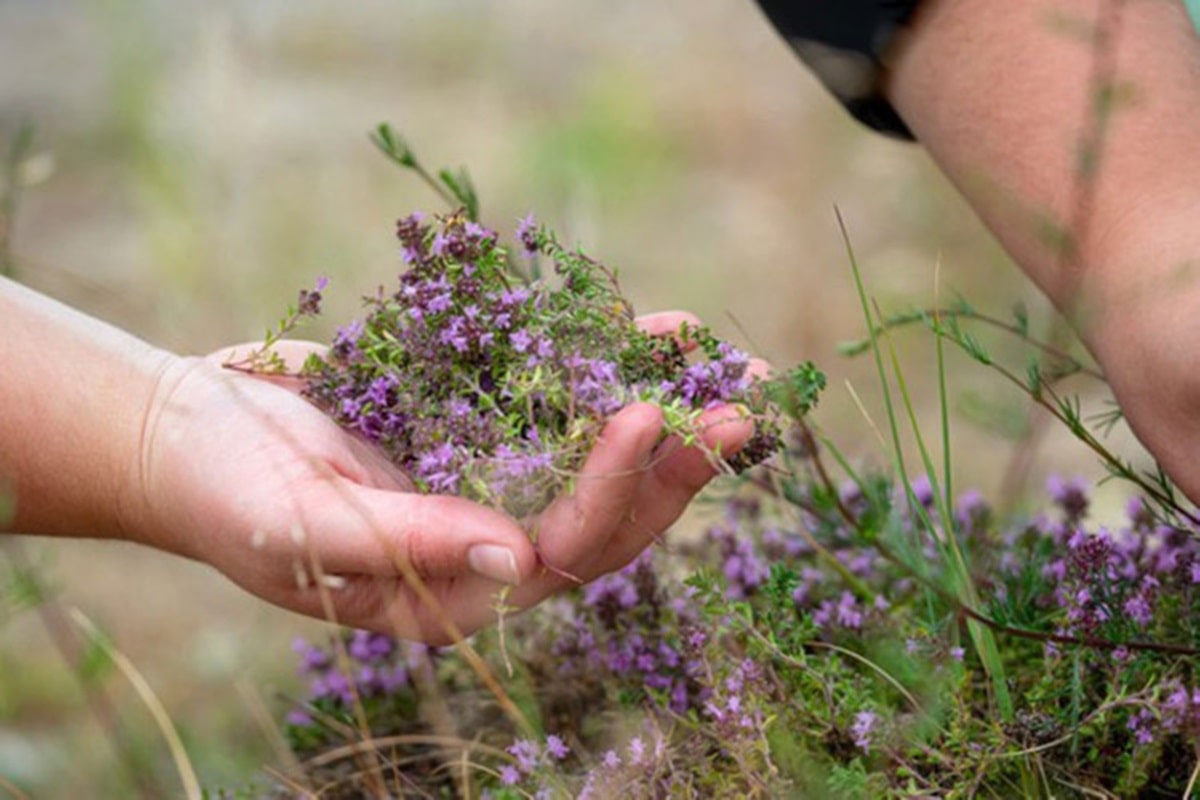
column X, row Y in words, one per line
column 240, row 472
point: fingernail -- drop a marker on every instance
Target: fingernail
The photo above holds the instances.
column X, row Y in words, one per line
column 494, row 562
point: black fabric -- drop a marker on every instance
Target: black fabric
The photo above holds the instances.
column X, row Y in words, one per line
column 845, row 42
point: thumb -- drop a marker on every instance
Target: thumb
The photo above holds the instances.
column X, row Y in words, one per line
column 385, row 532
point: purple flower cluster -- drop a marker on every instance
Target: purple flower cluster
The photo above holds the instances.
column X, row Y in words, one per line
column 1181, row 710
column 474, row 384
column 375, row 666
column 626, row 625
column 1175, row 711
column 1109, row 583
column 529, row 757
column 733, row 706
column 640, row 769
column 864, row 729
column 845, row 612
column 708, row 383
column 745, row 544
column 742, row 566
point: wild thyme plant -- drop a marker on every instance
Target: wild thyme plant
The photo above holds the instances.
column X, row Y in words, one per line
column 798, row 649
column 477, row 382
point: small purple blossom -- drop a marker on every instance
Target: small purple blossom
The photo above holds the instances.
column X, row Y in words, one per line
column 637, row 750
column 556, row 748
column 527, row 753
column 1143, row 724
column 521, row 340
column 527, row 233
column 1070, row 494
column 863, row 728
column 922, row 490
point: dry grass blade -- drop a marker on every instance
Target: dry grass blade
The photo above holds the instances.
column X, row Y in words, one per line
column 270, row 731
column 183, row 765
column 12, row 789
column 448, row 743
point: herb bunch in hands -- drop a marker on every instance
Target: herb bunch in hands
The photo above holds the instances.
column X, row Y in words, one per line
column 544, row 403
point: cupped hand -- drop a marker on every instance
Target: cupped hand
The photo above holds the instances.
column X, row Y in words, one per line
column 241, row 472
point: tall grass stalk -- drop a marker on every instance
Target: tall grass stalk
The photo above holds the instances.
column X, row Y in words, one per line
column 947, row 544
column 10, row 194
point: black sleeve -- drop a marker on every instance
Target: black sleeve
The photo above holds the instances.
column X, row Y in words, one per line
column 845, row 43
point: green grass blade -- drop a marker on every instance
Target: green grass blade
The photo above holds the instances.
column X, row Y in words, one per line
column 963, row 587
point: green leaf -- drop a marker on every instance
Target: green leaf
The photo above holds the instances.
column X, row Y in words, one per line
column 393, row 145
column 1021, row 315
column 854, row 347
column 797, row 390
column 463, row 189
column 25, row 587
column 96, row 663
column 974, row 348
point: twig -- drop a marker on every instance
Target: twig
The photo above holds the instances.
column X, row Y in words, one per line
column 929, row 316
column 887, row 676
column 443, row 742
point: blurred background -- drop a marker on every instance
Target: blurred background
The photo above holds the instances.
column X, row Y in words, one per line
column 193, row 164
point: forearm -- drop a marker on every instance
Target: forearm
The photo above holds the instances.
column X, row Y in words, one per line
column 1004, row 95
column 72, row 406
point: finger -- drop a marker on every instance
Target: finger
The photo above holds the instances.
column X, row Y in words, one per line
column 592, row 532
column 389, row 604
column 450, row 610
column 681, row 471
column 670, row 323
column 574, row 530
column 676, row 475
column 366, row 463
column 430, row 537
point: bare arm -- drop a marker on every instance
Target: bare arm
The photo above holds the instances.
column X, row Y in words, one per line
column 72, row 398
column 1004, row 96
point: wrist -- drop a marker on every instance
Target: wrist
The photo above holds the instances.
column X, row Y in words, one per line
column 139, row 463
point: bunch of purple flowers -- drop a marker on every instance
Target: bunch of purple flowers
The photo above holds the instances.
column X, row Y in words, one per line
column 478, row 382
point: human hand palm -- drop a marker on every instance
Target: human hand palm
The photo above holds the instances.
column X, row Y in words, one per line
column 241, row 472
